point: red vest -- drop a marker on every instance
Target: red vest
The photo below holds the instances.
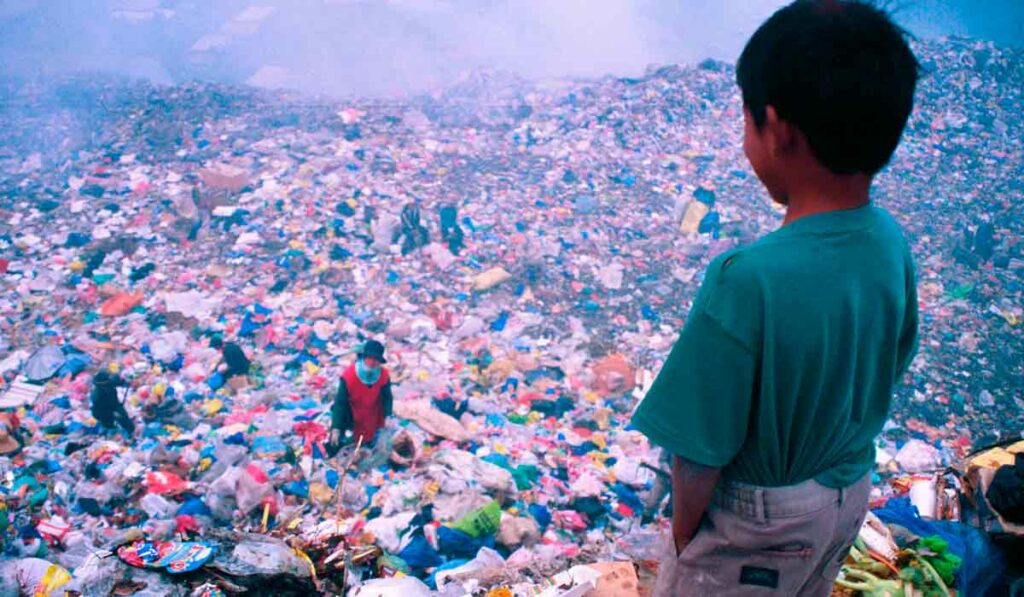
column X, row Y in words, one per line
column 364, row 400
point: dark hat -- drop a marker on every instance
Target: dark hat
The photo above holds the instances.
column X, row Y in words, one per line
column 101, row 377
column 372, row 348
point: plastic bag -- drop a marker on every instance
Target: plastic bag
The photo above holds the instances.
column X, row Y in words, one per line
column 156, row 506
column 455, row 506
column 162, row 483
column 96, row 576
column 516, row 531
column 265, row 556
column 33, row 576
column 418, row 553
column 631, row 471
column 482, row 522
column 460, row 465
column 168, row 346
column 405, row 586
column 453, row 543
column 917, row 456
column 226, row 483
column 378, row 453
column 485, row 559
column 982, row 566
column 386, row 530
column 77, row 549
column 432, row 420
column 253, row 487
column 216, row 381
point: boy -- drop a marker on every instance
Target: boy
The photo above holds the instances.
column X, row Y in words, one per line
column 772, row 396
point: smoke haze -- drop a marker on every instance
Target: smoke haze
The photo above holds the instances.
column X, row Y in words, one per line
column 392, row 47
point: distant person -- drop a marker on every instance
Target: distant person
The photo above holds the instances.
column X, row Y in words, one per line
column 197, row 224
column 369, row 214
column 364, row 230
column 414, row 235
column 782, row 377
column 364, row 400
column 107, row 408
column 984, row 240
column 233, row 362
column 451, row 232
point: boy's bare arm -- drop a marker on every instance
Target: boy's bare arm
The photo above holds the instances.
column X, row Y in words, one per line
column 693, row 486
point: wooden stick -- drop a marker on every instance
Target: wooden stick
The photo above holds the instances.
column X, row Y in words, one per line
column 344, row 473
column 266, row 517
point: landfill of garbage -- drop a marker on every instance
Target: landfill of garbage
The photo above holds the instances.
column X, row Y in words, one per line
column 527, row 251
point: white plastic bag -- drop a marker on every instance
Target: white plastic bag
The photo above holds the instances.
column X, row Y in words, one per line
column 405, row 586
column 917, row 456
column 485, row 559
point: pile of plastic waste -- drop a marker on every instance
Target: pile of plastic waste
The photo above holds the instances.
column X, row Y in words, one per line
column 526, row 262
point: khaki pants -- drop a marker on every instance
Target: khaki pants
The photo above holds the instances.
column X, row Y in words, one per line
column 768, row 541
column 238, row 382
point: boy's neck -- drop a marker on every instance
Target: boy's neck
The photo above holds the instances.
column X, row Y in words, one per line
column 827, row 194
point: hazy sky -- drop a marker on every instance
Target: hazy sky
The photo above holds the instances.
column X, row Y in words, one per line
column 385, row 47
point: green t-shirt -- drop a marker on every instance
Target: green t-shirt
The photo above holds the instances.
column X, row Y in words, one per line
column 785, row 368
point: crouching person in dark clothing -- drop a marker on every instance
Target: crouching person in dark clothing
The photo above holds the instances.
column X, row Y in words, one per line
column 364, row 399
column 451, row 232
column 107, row 408
column 234, row 364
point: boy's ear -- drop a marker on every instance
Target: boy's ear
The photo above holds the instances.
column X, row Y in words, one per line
column 779, row 134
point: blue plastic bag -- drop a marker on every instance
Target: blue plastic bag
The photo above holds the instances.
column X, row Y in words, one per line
column 705, row 196
column 194, row 507
column 453, row 543
column 419, row 554
column 982, row 566
column 710, row 223
column 76, row 363
column 296, row 488
column 216, row 381
column 450, row 565
column 541, row 514
column 499, row 324
column 628, row 496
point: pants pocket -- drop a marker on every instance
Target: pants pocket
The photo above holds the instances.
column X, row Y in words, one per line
column 851, row 518
column 787, row 551
column 833, row 561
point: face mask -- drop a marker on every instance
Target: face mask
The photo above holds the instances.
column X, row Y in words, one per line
column 367, row 375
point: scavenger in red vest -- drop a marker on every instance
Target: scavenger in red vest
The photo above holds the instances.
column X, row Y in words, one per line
column 364, row 396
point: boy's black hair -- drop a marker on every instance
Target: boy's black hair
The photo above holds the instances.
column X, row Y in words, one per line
column 841, row 72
